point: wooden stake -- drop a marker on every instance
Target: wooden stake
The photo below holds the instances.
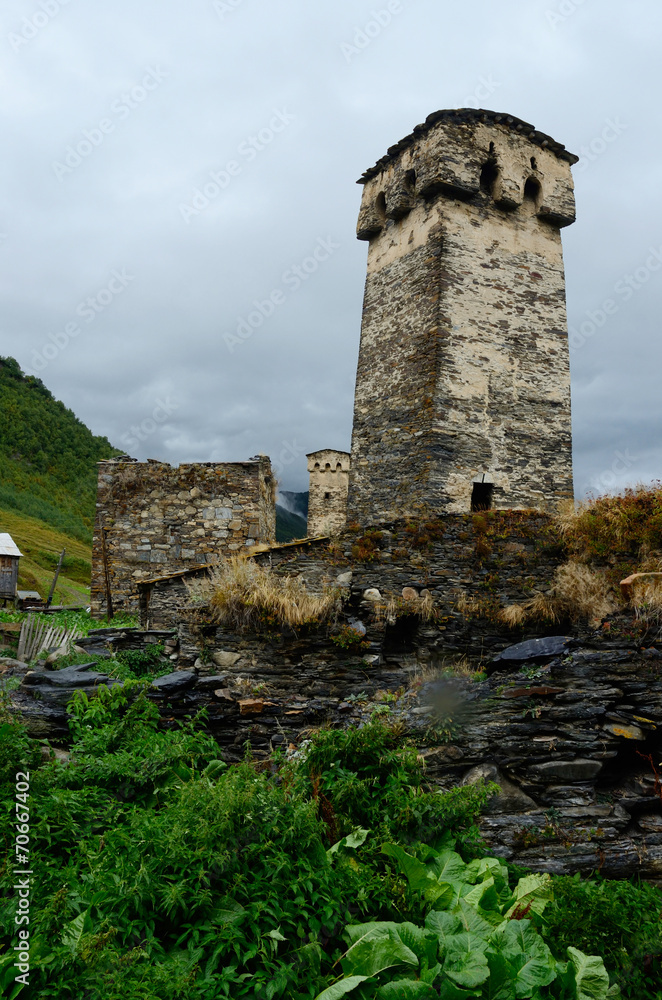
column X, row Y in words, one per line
column 57, row 573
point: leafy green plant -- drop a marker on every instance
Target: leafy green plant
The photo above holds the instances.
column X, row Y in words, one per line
column 348, row 637
column 620, row 920
column 480, row 939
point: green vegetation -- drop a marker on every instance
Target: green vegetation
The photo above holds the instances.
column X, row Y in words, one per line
column 41, row 546
column 480, row 939
column 624, row 524
column 161, row 872
column 47, row 456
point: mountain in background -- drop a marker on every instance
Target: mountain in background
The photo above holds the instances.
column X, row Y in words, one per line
column 291, row 516
column 48, row 456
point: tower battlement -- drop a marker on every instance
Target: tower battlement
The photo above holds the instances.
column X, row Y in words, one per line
column 458, row 154
column 463, row 383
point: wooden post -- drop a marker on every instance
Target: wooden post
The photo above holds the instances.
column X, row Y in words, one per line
column 57, row 573
column 106, row 572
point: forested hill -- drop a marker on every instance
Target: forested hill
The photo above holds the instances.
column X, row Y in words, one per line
column 47, row 456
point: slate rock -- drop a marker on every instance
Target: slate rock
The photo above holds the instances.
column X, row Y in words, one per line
column 532, row 650
column 567, row 770
column 173, row 683
column 205, row 683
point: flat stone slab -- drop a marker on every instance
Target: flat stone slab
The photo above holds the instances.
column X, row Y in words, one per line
column 180, row 680
column 534, row 649
column 567, row 770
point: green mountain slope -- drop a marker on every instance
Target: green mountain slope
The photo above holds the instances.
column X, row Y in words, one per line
column 47, row 456
column 288, row 525
column 41, row 546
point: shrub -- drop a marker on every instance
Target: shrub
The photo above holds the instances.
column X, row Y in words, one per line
column 619, row 920
column 243, row 594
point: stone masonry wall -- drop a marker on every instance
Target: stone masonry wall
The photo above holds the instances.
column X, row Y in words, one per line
column 567, row 730
column 327, row 493
column 463, row 369
column 155, row 519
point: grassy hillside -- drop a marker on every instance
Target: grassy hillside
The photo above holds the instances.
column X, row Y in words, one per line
column 47, row 456
column 41, row 546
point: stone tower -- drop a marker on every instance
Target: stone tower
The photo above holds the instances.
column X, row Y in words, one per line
column 463, row 383
column 327, row 495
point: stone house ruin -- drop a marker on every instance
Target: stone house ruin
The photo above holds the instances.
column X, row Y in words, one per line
column 153, row 519
column 462, row 398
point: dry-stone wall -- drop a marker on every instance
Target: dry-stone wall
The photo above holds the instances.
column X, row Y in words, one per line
column 153, row 519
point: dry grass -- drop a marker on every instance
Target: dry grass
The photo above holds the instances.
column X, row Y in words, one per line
column 243, row 594
column 397, row 607
column 578, row 592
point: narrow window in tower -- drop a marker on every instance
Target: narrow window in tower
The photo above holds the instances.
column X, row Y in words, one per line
column 481, row 496
column 488, row 176
column 532, row 194
column 327, row 496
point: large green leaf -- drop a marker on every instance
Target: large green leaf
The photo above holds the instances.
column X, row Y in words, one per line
column 500, row 985
column 472, row 921
column 591, row 978
column 534, row 891
column 449, row 867
column 449, row 991
column 379, row 949
column 418, row 876
column 484, row 868
column 340, row 988
column 529, row 960
column 354, row 932
column 423, row 943
column 444, row 924
column 354, row 839
column 406, row 989
column 465, row 961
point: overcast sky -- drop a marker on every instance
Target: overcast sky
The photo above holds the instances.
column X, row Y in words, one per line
column 166, row 166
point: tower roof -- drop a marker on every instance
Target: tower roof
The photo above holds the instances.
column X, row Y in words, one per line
column 469, row 116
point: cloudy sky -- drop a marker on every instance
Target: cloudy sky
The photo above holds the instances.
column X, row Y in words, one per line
column 167, row 168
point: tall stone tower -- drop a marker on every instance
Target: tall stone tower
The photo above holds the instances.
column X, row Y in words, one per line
column 463, row 384
column 327, row 494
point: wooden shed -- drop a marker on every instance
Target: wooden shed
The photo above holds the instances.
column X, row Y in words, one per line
column 9, row 556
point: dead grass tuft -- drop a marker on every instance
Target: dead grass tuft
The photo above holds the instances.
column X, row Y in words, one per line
column 243, row 594
column 578, row 592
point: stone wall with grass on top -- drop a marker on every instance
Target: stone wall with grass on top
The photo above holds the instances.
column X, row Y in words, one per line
column 154, row 519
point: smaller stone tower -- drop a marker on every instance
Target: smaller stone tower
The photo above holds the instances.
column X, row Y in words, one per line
column 327, row 499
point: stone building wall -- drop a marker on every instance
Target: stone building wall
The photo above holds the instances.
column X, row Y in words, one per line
column 154, row 519
column 327, row 493
column 463, row 372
